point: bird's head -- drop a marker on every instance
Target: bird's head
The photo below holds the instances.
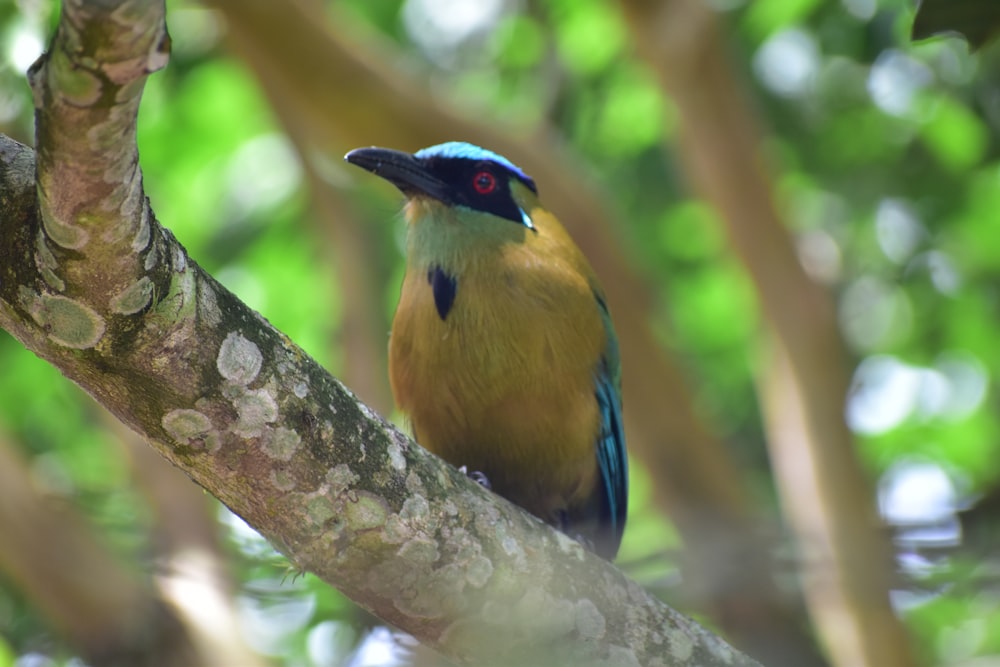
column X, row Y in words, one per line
column 455, row 175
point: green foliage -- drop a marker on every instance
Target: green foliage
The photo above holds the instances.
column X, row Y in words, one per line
column 520, row 43
column 767, row 16
column 955, row 134
column 589, row 36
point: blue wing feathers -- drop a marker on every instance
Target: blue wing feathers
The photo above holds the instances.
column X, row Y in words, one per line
column 612, row 461
column 611, row 457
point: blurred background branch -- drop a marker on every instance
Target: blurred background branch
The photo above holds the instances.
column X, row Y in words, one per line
column 828, row 498
column 109, row 611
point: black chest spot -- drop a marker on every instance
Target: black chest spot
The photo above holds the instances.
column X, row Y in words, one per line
column 444, row 288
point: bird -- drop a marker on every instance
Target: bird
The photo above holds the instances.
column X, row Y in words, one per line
column 502, row 353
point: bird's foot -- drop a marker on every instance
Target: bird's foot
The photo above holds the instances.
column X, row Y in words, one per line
column 477, row 477
column 562, row 524
column 587, row 543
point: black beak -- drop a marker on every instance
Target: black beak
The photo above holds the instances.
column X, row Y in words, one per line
column 403, row 170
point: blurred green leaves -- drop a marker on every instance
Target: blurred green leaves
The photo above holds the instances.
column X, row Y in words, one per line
column 764, row 17
column 590, row 35
column 185, row 145
column 954, row 133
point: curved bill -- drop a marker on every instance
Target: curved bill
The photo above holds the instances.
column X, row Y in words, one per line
column 401, row 169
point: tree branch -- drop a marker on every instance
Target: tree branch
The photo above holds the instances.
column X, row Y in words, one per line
column 91, row 282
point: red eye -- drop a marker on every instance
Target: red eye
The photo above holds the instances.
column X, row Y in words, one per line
column 484, row 182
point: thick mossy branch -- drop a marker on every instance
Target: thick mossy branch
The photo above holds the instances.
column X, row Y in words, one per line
column 91, row 282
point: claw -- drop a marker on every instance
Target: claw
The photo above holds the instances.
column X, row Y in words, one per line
column 562, row 524
column 479, row 478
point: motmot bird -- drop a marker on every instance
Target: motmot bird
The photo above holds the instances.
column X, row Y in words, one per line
column 502, row 353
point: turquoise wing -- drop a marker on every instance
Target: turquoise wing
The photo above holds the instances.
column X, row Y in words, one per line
column 612, row 458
